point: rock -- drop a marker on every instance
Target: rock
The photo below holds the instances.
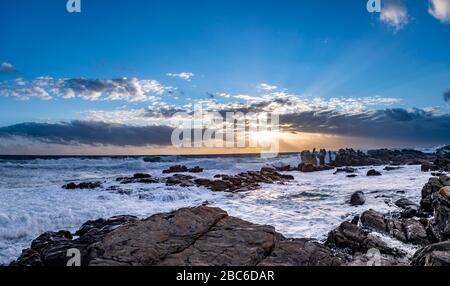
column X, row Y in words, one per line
column 443, row 158
column 441, row 207
column 405, row 230
column 372, row 173
column 309, row 168
column 427, row 167
column 357, row 199
column 201, row 236
column 176, row 169
column 196, row 169
column 433, row 186
column 301, row 252
column 350, row 157
column 102, row 226
column 445, row 180
column 243, row 182
column 308, row 158
column 82, row 186
column 441, row 162
column 409, row 212
column 306, row 168
column 437, row 254
column 352, row 176
column 415, row 232
column 405, row 203
column 138, row 178
column 345, row 170
column 373, row 220
column 181, row 180
column 354, row 239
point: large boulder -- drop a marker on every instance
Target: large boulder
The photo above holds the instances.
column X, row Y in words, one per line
column 443, row 158
column 373, row 173
column 354, row 239
column 350, row 157
column 357, row 199
column 441, row 206
column 406, row 230
column 176, row 169
column 201, row 236
column 434, row 185
column 437, row 254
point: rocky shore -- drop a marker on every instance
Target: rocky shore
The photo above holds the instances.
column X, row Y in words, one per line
column 209, row 236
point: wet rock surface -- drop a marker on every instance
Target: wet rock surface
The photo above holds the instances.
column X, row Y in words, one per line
column 309, row 168
column 357, row 199
column 441, row 162
column 437, row 254
column 82, row 186
column 186, row 237
column 138, row 178
column 182, row 169
column 243, row 182
column 373, row 173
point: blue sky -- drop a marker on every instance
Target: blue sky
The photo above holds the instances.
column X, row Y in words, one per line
column 305, row 49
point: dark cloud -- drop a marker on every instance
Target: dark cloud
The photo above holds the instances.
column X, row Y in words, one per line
column 82, row 85
column 91, row 133
column 447, row 95
column 416, row 125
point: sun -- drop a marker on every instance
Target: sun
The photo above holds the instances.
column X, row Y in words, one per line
column 264, row 137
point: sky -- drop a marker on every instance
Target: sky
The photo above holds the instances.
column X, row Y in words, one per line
column 108, row 80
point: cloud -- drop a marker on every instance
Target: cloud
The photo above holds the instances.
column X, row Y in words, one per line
column 183, row 75
column 7, row 68
column 414, row 125
column 440, row 9
column 125, row 89
column 91, row 133
column 447, row 95
column 394, row 14
column 267, row 87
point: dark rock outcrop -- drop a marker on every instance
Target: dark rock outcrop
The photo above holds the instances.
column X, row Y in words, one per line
column 406, row 230
column 437, row 254
column 309, row 168
column 199, row 236
column 82, row 186
column 354, row 239
column 433, row 186
column 138, row 178
column 243, row 182
column 182, row 169
column 441, row 162
column 176, row 169
column 348, row 170
column 196, row 169
column 180, row 180
column 443, row 158
column 373, row 173
column 357, row 198
column 350, row 157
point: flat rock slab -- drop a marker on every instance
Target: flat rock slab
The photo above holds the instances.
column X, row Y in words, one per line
column 201, row 236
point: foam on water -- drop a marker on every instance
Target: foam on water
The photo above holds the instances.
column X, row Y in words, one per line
column 32, row 200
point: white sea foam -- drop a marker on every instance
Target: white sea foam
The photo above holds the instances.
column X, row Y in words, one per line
column 32, row 200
